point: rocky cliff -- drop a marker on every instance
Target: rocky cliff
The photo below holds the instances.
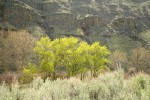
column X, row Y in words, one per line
column 88, row 19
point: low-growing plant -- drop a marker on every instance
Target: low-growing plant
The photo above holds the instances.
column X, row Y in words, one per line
column 28, row 73
column 108, row 86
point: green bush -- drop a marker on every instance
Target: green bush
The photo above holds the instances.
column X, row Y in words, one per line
column 28, row 73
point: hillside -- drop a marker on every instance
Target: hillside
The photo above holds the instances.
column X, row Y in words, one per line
column 91, row 20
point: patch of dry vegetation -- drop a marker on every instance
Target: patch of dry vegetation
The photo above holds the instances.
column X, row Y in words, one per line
column 109, row 86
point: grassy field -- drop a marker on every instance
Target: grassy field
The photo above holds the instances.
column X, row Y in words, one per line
column 108, row 86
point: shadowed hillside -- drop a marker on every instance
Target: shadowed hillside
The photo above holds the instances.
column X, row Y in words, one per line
column 73, row 17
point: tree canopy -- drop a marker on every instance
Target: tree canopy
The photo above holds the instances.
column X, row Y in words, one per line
column 71, row 55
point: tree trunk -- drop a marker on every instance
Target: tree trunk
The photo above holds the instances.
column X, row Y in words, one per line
column 54, row 76
column 91, row 74
column 81, row 76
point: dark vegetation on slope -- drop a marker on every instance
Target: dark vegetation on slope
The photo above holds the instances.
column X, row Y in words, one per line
column 93, row 17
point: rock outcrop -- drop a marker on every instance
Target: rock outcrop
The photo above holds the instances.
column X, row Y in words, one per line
column 93, row 17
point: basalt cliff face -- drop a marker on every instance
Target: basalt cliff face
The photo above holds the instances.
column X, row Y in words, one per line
column 90, row 20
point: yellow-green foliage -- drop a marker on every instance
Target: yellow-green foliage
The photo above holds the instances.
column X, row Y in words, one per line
column 32, row 69
column 75, row 56
column 28, row 73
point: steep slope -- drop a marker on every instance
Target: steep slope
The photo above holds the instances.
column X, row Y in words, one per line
column 88, row 19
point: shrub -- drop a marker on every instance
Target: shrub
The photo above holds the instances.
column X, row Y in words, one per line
column 109, row 86
column 28, row 73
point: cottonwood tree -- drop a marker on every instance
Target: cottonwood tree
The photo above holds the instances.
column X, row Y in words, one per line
column 6, row 56
column 118, row 59
column 52, row 53
column 75, row 56
column 16, row 48
column 140, row 60
column 76, row 61
column 98, row 58
column 23, row 43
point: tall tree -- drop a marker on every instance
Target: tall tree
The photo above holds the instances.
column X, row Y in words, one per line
column 16, row 48
column 76, row 57
column 140, row 60
column 118, row 59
